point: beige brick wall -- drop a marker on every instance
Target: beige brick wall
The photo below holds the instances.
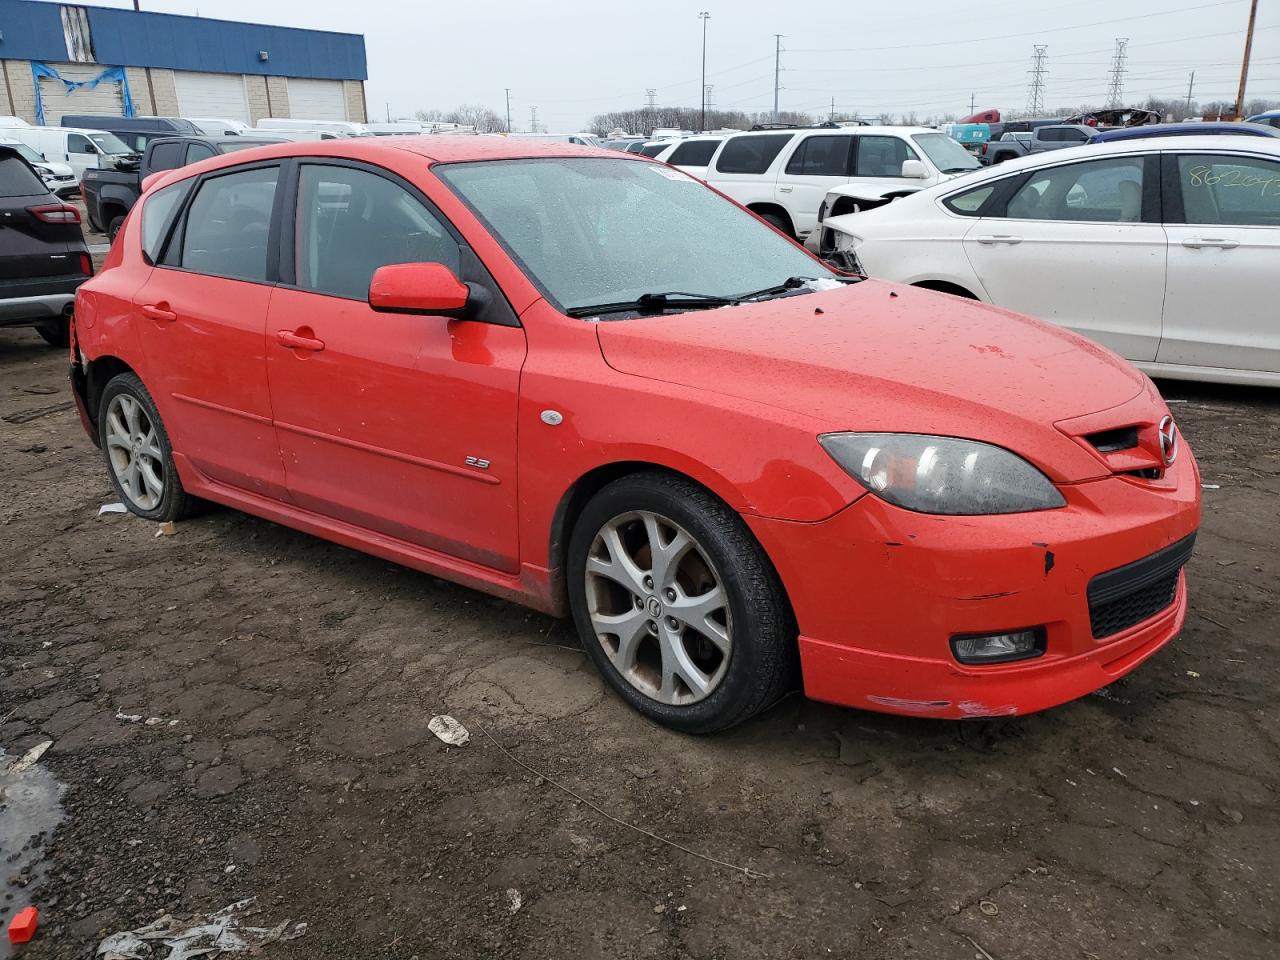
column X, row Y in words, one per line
column 353, row 90
column 278, row 87
column 22, row 87
column 256, row 90
column 166, row 92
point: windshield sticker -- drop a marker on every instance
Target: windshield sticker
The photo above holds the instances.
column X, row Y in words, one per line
column 672, row 174
column 1205, row 175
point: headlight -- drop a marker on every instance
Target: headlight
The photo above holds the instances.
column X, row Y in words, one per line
column 942, row 475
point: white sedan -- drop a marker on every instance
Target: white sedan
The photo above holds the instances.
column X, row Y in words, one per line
column 1166, row 250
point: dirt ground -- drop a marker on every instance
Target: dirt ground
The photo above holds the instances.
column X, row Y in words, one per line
column 1140, row 822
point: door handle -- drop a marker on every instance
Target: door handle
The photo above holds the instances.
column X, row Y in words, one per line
column 298, row 341
column 159, row 312
column 999, row 238
column 785, row 189
column 1198, row 242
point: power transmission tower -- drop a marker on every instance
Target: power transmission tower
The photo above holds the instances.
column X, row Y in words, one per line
column 651, row 96
column 1190, row 86
column 1035, row 94
column 706, row 92
column 533, row 119
column 777, row 72
column 1115, row 93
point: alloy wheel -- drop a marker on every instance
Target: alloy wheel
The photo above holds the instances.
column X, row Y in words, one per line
column 133, row 446
column 658, row 607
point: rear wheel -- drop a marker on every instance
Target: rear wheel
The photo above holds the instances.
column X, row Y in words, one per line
column 114, row 227
column 56, row 333
column 778, row 221
column 677, row 604
column 138, row 454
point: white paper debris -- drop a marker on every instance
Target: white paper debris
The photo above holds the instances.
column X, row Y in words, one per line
column 129, row 717
column 30, row 758
column 1210, row 486
column 826, row 283
column 112, row 508
column 449, row 730
column 219, row 933
column 514, row 900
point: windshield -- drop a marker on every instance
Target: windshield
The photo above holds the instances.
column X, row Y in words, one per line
column 947, row 155
column 25, row 152
column 110, row 143
column 593, row 230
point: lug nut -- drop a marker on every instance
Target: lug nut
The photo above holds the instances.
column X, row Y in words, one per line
column 670, row 595
column 673, row 623
column 653, row 627
column 648, row 583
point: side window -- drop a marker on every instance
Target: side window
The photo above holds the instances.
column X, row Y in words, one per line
column 166, row 156
column 1108, row 191
column 882, row 156
column 157, row 211
column 198, row 151
column 1231, row 191
column 79, row 143
column 751, row 154
column 653, row 149
column 693, row 153
column 821, row 157
column 968, row 204
column 350, row 222
column 227, row 225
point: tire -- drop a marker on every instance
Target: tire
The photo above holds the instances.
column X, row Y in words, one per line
column 683, row 679
column 56, row 333
column 114, row 227
column 779, row 222
column 127, row 438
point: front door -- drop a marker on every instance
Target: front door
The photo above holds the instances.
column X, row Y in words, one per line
column 398, row 423
column 1081, row 245
column 204, row 310
column 1224, row 251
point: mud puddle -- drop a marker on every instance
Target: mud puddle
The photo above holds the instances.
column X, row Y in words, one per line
column 30, row 809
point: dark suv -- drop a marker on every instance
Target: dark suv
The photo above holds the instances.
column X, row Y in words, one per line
column 43, row 257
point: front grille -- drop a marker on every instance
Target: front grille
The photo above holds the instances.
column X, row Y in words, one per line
column 1121, row 598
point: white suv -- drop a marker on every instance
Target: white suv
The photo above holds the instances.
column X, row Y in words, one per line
column 786, row 175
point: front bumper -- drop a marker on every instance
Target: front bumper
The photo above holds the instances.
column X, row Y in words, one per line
column 879, row 592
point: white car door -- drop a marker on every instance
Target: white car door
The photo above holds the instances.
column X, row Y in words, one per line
column 1079, row 245
column 817, row 163
column 1223, row 222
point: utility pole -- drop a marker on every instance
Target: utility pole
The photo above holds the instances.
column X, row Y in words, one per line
column 971, row 101
column 1190, row 86
column 1035, row 95
column 832, row 116
column 1244, row 67
column 1115, row 93
column 777, row 72
column 508, row 90
column 704, row 16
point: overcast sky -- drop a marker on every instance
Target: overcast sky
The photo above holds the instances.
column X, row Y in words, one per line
column 572, row 59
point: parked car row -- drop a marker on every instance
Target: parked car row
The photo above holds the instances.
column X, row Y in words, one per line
column 1063, row 135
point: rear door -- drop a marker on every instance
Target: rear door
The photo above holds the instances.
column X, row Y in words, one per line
column 36, row 243
column 744, row 169
column 1080, row 244
column 818, row 163
column 1223, row 221
column 202, row 317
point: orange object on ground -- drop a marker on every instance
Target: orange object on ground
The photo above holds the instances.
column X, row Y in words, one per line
column 23, row 926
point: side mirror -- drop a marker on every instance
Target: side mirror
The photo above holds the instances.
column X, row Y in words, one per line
column 914, row 170
column 418, row 288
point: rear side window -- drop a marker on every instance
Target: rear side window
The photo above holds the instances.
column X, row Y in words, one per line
column 821, row 157
column 198, row 151
column 694, row 153
column 227, row 225
column 166, row 156
column 1231, row 191
column 653, row 149
column 882, row 156
column 1063, row 136
column 968, row 204
column 350, row 222
column 751, row 154
column 157, row 211
column 17, row 180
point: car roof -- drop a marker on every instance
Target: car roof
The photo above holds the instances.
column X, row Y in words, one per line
column 1188, row 128
column 437, row 149
column 837, row 131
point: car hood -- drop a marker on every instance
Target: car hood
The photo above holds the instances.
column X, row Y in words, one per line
column 879, row 357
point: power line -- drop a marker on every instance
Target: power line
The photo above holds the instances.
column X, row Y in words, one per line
column 1115, row 93
column 1035, row 96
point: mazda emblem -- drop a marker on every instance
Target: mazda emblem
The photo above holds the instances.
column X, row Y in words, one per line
column 1168, row 441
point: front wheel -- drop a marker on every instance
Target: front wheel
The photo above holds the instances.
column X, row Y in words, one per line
column 678, row 606
column 138, row 454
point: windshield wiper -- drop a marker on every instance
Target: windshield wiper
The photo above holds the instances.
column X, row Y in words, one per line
column 655, row 303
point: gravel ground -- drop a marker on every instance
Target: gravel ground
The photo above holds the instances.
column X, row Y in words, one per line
column 1140, row 822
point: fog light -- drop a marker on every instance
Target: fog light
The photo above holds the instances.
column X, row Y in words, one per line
column 999, row 647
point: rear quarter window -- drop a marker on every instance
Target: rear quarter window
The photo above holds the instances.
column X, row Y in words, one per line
column 751, row 154
column 695, row 153
column 17, row 180
column 157, row 214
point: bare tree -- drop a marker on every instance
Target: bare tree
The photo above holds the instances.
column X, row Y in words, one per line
column 475, row 115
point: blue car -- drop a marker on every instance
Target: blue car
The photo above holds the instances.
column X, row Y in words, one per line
column 1271, row 118
column 1194, row 128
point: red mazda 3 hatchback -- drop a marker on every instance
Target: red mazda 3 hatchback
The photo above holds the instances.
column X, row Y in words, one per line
column 593, row 385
